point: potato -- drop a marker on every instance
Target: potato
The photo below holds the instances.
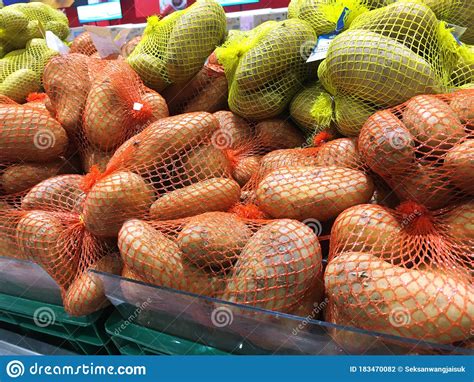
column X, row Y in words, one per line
column 459, row 223
column 286, row 158
column 206, row 162
column 311, row 192
column 86, row 294
column 20, row 177
column 342, row 152
column 19, row 84
column 459, row 161
column 8, row 223
column 386, row 144
column 92, row 156
column 433, row 123
column 199, row 281
column 276, row 134
column 236, row 132
column 165, row 138
column 277, row 266
column 214, row 194
column 151, row 255
column 157, row 104
column 462, row 103
column 41, row 237
column 211, row 98
column 245, row 168
column 115, row 199
column 367, row 228
column 410, row 303
column 59, row 193
column 425, row 185
column 29, row 135
column 213, row 239
column 67, row 82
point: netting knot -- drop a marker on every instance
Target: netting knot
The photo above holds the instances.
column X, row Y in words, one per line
column 321, row 138
column 415, row 218
column 248, row 211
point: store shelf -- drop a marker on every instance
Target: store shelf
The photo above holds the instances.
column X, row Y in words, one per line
column 248, row 330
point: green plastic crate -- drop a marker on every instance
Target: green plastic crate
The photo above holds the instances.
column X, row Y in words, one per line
column 132, row 339
column 84, row 335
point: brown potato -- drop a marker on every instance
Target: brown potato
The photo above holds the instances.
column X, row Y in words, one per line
column 213, row 239
column 277, row 267
column 411, row 303
column 433, row 123
column 59, row 193
column 245, row 168
column 274, row 134
column 86, row 294
column 342, row 152
column 312, row 192
column 459, row 223
column 93, row 156
column 157, row 104
column 115, row 199
column 235, row 130
column 150, row 254
column 206, row 162
column 459, row 161
column 462, row 103
column 214, row 194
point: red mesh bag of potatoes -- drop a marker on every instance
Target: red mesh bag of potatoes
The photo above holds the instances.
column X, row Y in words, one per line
column 206, row 91
column 33, row 146
column 267, row 264
column 315, row 183
column 405, row 272
column 45, row 226
column 83, row 44
column 423, row 148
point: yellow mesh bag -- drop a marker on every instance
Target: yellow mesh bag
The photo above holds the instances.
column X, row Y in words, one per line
column 311, row 109
column 388, row 56
column 21, row 70
column 175, row 48
column 351, row 114
column 266, row 67
column 323, row 15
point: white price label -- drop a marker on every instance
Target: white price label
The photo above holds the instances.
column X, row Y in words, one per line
column 320, row 51
column 54, row 42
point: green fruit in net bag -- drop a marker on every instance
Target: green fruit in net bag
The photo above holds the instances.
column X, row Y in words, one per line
column 19, row 84
column 194, row 37
column 351, row 114
column 152, row 70
column 12, row 20
column 377, row 68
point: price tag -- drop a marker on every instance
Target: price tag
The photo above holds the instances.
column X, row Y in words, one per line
column 320, row 50
column 457, row 31
column 54, row 42
column 103, row 40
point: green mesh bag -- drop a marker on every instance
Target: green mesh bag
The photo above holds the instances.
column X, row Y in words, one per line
column 266, row 67
column 312, row 109
column 19, row 23
column 351, row 113
column 323, row 15
column 387, row 56
column 457, row 12
column 463, row 72
column 175, row 48
column 21, row 70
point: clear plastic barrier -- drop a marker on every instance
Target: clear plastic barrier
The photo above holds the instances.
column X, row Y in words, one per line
column 245, row 330
column 27, row 280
